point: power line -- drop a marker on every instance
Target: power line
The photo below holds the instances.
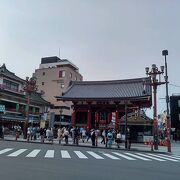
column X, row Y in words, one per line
column 174, row 85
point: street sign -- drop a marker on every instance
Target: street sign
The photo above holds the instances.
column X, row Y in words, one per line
column 2, row 108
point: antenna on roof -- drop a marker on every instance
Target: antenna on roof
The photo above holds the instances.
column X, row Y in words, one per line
column 59, row 53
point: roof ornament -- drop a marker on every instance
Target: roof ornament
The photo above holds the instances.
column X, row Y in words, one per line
column 3, row 67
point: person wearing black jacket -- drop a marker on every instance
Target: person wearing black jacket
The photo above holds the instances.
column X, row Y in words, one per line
column 128, row 138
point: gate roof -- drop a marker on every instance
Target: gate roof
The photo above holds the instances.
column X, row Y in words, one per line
column 108, row 90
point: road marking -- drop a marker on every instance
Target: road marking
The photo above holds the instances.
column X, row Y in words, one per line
column 111, row 156
column 139, row 157
column 124, row 156
column 177, row 158
column 164, row 157
column 96, row 156
column 5, row 150
column 49, row 154
column 34, row 153
column 65, row 154
column 80, row 155
column 17, row 153
column 154, row 158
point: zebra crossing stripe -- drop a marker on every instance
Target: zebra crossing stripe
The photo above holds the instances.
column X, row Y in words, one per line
column 96, row 156
column 124, row 156
column 5, row 150
column 17, row 153
column 111, row 156
column 80, row 155
column 163, row 157
column 49, row 154
column 34, row 153
column 138, row 157
column 65, row 154
column 177, row 158
column 154, row 158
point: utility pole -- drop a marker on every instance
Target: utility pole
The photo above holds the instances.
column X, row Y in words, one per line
column 30, row 87
column 165, row 53
column 154, row 83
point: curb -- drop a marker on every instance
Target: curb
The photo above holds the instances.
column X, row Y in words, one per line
column 84, row 146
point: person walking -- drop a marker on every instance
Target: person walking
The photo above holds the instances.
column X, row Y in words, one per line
column 42, row 134
column 83, row 135
column 76, row 136
column 59, row 135
column 118, row 138
column 88, row 133
column 110, row 138
column 93, row 137
column 28, row 133
column 128, row 138
column 103, row 136
column 66, row 134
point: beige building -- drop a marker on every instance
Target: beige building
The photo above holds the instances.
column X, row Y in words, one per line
column 53, row 78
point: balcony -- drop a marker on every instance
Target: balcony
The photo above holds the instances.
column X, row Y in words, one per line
column 7, row 88
column 13, row 110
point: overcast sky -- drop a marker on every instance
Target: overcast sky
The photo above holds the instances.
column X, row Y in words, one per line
column 106, row 39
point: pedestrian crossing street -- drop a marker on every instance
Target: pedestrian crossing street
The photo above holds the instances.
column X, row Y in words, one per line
column 97, row 155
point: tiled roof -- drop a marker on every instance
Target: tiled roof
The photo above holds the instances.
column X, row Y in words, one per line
column 9, row 74
column 37, row 98
column 116, row 89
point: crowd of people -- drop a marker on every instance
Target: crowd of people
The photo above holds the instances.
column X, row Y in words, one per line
column 103, row 136
column 77, row 134
column 97, row 136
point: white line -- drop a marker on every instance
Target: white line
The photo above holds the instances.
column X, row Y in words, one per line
column 139, row 157
column 96, row 156
column 65, row 154
column 111, row 156
column 5, row 150
column 34, row 153
column 154, row 158
column 124, row 156
column 176, row 155
column 17, row 153
column 164, row 158
column 177, row 158
column 49, row 154
column 80, row 155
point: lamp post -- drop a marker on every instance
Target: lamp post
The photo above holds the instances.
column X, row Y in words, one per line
column 30, row 87
column 126, row 119
column 154, row 83
column 165, row 53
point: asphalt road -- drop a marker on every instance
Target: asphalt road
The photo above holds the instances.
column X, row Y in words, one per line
column 21, row 167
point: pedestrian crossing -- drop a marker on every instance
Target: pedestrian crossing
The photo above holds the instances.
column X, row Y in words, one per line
column 96, row 155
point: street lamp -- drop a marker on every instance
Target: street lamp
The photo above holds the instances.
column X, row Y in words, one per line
column 154, row 83
column 30, row 87
column 165, row 53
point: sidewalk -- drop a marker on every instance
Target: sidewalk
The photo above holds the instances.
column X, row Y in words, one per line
column 134, row 146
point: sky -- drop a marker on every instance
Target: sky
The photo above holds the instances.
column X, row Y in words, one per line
column 106, row 39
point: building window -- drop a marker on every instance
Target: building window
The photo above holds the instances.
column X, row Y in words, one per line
column 43, row 83
column 62, row 85
column 179, row 117
column 70, row 75
column 62, row 74
column 179, row 103
column 43, row 73
column 10, row 85
column 75, row 78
